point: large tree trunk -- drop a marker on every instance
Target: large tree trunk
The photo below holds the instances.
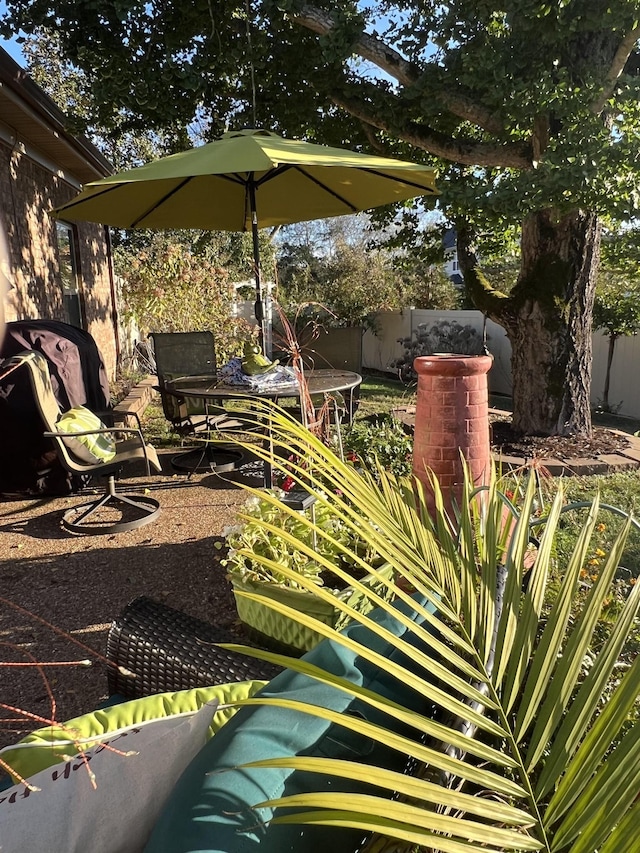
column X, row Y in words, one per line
column 547, row 318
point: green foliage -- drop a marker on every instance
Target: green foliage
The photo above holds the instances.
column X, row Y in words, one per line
column 358, row 283
column 168, row 287
column 446, row 336
column 534, row 743
column 617, row 305
column 266, row 532
column 70, row 88
column 355, row 271
column 520, row 102
column 621, row 250
column 379, row 440
column 427, row 286
column 330, row 264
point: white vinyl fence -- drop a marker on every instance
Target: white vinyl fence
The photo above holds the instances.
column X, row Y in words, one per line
column 380, row 350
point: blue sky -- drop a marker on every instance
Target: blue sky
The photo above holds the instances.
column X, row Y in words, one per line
column 11, row 47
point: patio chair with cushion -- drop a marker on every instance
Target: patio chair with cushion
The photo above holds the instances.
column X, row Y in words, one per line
column 212, row 806
column 85, row 446
column 178, row 787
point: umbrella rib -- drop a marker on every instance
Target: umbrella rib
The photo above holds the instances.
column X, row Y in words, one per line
column 399, row 180
column 237, row 179
column 71, row 204
column 159, row 202
column 276, row 172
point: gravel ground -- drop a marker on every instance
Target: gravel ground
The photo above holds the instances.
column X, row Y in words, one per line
column 79, row 584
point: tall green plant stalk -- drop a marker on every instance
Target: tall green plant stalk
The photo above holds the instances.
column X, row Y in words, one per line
column 530, row 747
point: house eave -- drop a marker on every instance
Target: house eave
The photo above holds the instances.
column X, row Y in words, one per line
column 34, row 120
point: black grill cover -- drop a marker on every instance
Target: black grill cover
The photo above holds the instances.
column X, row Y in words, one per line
column 28, row 462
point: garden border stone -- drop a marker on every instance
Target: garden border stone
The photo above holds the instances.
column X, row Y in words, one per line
column 604, row 463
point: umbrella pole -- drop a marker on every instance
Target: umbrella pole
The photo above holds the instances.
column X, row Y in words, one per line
column 262, row 307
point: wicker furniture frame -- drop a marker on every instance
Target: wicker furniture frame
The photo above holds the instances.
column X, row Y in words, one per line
column 165, row 650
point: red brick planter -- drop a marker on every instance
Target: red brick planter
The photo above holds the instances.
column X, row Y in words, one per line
column 452, row 417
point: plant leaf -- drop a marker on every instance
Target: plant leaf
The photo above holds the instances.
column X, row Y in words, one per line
column 402, row 813
column 545, row 655
column 570, row 665
column 609, row 794
column 596, row 744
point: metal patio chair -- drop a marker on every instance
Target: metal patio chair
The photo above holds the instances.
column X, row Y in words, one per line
column 193, row 354
column 135, row 510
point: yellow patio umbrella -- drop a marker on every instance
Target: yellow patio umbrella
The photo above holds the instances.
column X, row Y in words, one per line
column 248, row 179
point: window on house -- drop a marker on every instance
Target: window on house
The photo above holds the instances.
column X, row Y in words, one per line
column 69, row 272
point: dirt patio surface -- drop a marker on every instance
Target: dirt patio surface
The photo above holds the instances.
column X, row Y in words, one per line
column 79, row 584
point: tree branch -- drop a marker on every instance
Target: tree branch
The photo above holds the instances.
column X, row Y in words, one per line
column 406, row 73
column 463, row 107
column 374, row 142
column 466, row 152
column 491, row 302
column 540, row 137
column 369, row 47
column 617, row 67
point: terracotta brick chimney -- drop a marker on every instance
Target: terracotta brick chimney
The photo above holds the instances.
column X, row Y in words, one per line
column 452, row 417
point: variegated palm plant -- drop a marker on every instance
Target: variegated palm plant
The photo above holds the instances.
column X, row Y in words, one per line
column 531, row 748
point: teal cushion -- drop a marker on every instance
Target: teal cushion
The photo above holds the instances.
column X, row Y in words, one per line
column 46, row 747
column 99, row 447
column 211, row 808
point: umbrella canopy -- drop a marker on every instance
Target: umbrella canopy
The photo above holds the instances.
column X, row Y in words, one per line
column 248, row 180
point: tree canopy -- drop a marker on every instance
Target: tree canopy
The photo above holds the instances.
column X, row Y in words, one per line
column 537, row 100
column 528, row 109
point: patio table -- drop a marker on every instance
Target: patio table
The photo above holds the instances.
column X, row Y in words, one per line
column 213, row 388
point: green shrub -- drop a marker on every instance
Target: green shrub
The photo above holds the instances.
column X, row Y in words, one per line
column 444, row 336
column 379, row 437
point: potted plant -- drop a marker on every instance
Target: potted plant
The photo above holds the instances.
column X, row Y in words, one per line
column 531, row 668
column 268, row 532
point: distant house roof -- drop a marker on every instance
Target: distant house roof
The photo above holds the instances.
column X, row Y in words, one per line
column 30, row 117
column 449, row 238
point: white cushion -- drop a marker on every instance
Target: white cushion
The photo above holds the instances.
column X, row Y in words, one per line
column 68, row 814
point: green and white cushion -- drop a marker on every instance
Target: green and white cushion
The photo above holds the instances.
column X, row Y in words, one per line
column 99, row 447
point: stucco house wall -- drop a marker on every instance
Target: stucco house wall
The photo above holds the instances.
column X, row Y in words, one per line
column 42, row 166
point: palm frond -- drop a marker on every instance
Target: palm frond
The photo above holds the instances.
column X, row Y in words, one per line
column 536, row 750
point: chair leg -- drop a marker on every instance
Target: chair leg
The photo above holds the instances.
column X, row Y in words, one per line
column 146, row 510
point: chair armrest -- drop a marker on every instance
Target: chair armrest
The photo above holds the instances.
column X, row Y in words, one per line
column 137, row 419
column 126, row 430
column 60, row 436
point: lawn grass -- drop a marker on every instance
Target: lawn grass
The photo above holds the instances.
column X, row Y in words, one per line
column 381, row 394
